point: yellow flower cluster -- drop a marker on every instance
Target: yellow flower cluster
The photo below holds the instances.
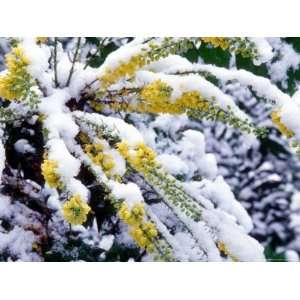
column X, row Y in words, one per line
column 14, row 83
column 155, row 98
column 281, row 127
column 192, row 100
column 216, row 42
column 75, row 210
column 49, row 168
column 141, row 157
column 142, row 231
column 98, row 157
column 124, row 69
column 222, row 247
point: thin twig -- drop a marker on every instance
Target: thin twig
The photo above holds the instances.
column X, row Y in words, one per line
column 55, row 62
column 74, row 60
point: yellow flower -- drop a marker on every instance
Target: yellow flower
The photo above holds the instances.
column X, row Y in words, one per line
column 281, row 127
column 123, row 149
column 217, row 42
column 156, row 91
column 98, row 157
column 15, row 84
column 141, row 231
column 49, row 171
column 150, row 229
column 142, row 158
column 108, row 162
column 75, row 210
column 156, row 98
column 124, row 69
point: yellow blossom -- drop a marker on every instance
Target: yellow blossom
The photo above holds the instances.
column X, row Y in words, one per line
column 156, row 98
column 142, row 231
column 96, row 153
column 124, row 69
column 141, row 157
column 49, row 171
column 123, row 149
column 16, row 82
column 217, row 42
column 75, row 210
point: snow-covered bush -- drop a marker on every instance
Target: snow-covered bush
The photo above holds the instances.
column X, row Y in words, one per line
column 103, row 160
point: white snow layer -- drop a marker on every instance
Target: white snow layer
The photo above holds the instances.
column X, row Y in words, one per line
column 68, row 165
column 129, row 192
column 2, row 159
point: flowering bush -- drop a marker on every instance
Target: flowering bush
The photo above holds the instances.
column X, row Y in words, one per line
column 101, row 157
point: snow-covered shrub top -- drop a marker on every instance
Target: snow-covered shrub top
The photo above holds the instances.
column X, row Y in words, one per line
column 89, row 143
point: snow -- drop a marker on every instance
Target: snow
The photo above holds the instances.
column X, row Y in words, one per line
column 169, row 123
column 264, row 50
column 181, row 253
column 187, row 247
column 289, row 114
column 2, row 159
column 181, row 149
column 126, row 131
column 239, row 244
column 192, row 143
column 207, row 166
column 81, row 78
column 192, row 152
column 295, row 205
column 129, row 192
column 219, row 192
column 23, row 146
column 5, row 207
column 63, row 68
column 187, row 83
column 167, row 63
column 286, row 58
column 119, row 162
column 106, row 242
column 292, row 256
column 61, row 125
column 122, row 55
column 18, row 242
column 173, row 164
column 261, row 85
column 38, row 57
column 55, row 103
column 54, row 203
column 68, row 165
column 76, row 187
column 194, row 189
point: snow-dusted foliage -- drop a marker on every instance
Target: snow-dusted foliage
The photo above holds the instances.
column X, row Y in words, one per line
column 110, row 160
